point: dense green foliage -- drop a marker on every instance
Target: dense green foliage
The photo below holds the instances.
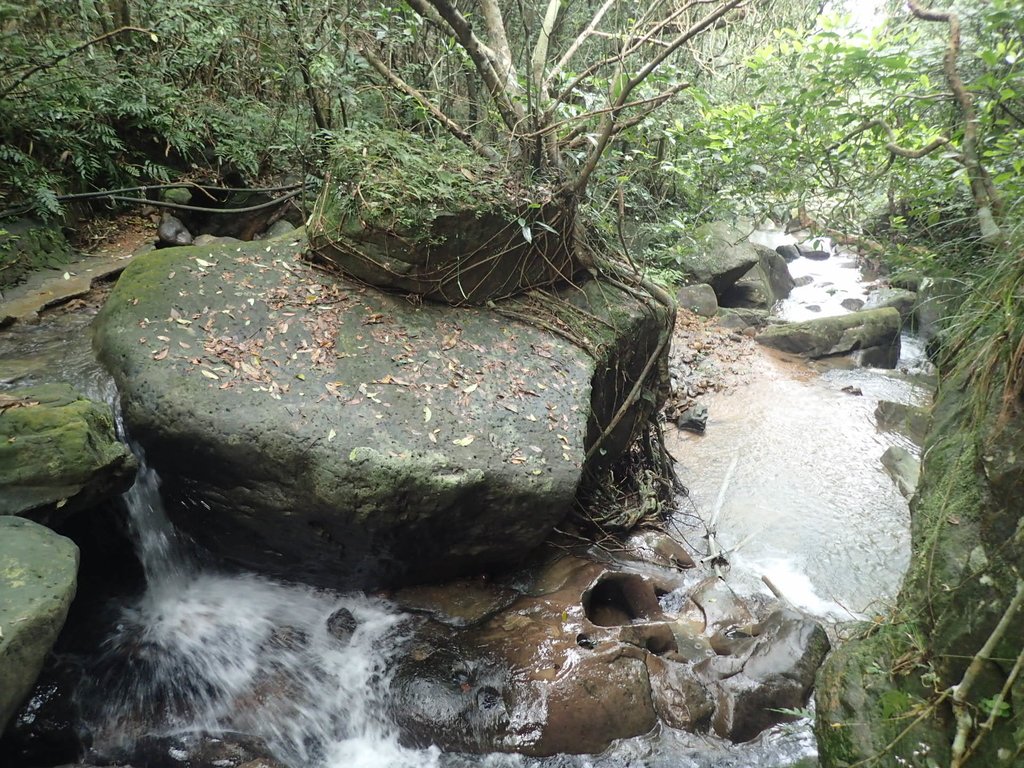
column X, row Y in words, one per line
column 769, row 111
column 164, row 89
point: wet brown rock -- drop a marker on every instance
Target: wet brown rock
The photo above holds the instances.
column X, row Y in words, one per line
column 681, row 699
column 603, row 698
column 778, row 673
column 459, row 603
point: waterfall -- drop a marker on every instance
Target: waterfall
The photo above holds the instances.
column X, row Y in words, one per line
column 207, row 652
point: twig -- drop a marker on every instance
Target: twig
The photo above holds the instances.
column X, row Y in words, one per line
column 961, row 690
column 67, row 54
column 199, row 209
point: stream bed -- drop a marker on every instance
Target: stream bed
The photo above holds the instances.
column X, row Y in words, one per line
column 789, row 467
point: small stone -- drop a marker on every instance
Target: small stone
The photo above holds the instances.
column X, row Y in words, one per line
column 694, row 419
column 342, row 624
column 814, row 255
column 852, row 304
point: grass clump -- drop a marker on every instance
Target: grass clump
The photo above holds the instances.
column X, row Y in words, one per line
column 401, row 182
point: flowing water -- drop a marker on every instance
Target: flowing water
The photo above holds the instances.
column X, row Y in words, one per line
column 808, row 504
column 203, row 651
column 208, row 653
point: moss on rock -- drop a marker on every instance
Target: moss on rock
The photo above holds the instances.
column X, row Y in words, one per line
column 27, row 246
column 325, row 431
column 38, row 577
column 58, row 453
column 967, row 557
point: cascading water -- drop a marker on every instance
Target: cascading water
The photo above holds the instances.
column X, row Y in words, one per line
column 203, row 652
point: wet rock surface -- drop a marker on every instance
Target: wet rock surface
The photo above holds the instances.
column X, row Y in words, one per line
column 38, row 577
column 587, row 655
column 225, row 750
column 58, row 453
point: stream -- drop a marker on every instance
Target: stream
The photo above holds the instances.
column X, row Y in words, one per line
column 809, row 505
column 790, row 463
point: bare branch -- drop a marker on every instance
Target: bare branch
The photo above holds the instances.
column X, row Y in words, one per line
column 498, row 41
column 67, row 54
column 987, row 200
column 891, row 144
column 575, row 45
column 454, row 128
column 607, row 128
column 485, row 60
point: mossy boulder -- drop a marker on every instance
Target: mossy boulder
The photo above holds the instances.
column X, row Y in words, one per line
column 322, row 430
column 431, row 218
column 58, row 453
column 718, row 254
column 27, row 246
column 38, row 577
column 874, row 335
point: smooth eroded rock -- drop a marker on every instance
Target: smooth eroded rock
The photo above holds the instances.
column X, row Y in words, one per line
column 699, row 299
column 873, row 334
column 38, row 577
column 58, row 453
column 720, row 256
column 321, row 430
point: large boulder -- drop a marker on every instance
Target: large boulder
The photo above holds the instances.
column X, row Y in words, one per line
column 38, row 576
column 902, row 300
column 767, row 282
column 873, row 334
column 429, row 217
column 58, row 453
column 321, row 430
column 720, row 255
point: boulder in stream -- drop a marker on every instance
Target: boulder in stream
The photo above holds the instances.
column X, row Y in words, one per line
column 874, row 335
column 58, row 453
column 38, row 577
column 902, row 300
column 788, row 252
column 720, row 255
column 767, row 282
column 321, row 430
column 903, row 467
